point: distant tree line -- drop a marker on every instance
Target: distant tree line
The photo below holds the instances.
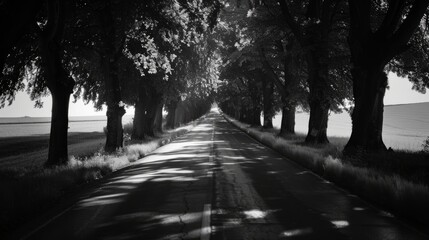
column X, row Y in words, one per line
column 321, row 56
column 152, row 55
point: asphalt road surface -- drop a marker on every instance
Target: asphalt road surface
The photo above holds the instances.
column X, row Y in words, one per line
column 217, row 183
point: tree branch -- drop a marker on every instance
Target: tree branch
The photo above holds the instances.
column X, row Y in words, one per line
column 296, row 29
column 401, row 37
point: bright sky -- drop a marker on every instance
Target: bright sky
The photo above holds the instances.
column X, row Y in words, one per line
column 400, row 92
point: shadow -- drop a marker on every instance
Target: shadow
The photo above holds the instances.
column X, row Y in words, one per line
column 262, row 195
column 161, row 196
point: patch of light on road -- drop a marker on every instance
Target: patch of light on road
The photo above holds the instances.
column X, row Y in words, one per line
column 255, row 214
column 187, row 218
column 152, row 159
column 101, row 200
column 340, row 223
column 174, row 179
column 203, row 127
column 234, row 157
column 358, row 209
column 174, row 171
column 214, row 109
column 296, row 232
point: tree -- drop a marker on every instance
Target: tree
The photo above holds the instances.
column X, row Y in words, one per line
column 39, row 56
column 373, row 44
column 106, row 26
column 313, row 29
column 58, row 81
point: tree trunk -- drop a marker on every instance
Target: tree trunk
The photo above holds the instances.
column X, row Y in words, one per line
column 180, row 114
column 115, row 110
column 171, row 116
column 149, row 116
column 138, row 132
column 268, row 103
column 318, row 99
column 157, row 122
column 256, row 118
column 114, row 138
column 318, row 123
column 288, row 121
column 144, row 116
column 115, row 107
column 371, row 49
column 158, row 118
column 59, row 83
column 367, row 117
column 58, row 153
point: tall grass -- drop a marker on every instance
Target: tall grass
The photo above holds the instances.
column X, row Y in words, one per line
column 386, row 189
column 29, row 191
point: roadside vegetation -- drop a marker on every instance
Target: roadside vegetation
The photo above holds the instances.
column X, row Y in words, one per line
column 29, row 191
column 322, row 57
column 397, row 182
column 180, row 56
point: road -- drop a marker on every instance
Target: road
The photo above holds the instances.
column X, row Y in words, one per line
column 217, row 183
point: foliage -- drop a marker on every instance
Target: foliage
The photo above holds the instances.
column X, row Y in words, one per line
column 425, row 145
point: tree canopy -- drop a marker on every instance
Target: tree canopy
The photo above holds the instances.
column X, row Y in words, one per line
column 180, row 56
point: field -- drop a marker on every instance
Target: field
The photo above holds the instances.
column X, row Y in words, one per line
column 24, row 141
column 32, row 151
column 405, row 126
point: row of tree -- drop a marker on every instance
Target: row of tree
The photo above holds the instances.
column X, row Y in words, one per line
column 322, row 56
column 152, row 55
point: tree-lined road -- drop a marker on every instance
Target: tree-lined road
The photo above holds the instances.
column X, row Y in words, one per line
column 217, row 183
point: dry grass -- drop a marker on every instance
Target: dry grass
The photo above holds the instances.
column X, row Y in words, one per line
column 386, row 189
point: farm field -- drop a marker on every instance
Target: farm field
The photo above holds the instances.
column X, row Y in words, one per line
column 405, row 126
column 24, row 141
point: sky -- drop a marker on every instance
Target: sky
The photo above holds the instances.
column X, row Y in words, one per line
column 400, row 92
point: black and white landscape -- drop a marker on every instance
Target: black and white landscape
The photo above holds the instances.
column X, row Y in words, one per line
column 214, row 119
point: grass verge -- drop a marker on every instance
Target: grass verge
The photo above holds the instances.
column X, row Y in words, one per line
column 29, row 191
column 389, row 191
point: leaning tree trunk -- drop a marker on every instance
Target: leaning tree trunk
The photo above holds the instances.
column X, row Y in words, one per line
column 288, row 121
column 369, row 86
column 115, row 107
column 318, row 99
column 59, row 83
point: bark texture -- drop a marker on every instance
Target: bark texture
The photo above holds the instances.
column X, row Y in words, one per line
column 288, row 121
